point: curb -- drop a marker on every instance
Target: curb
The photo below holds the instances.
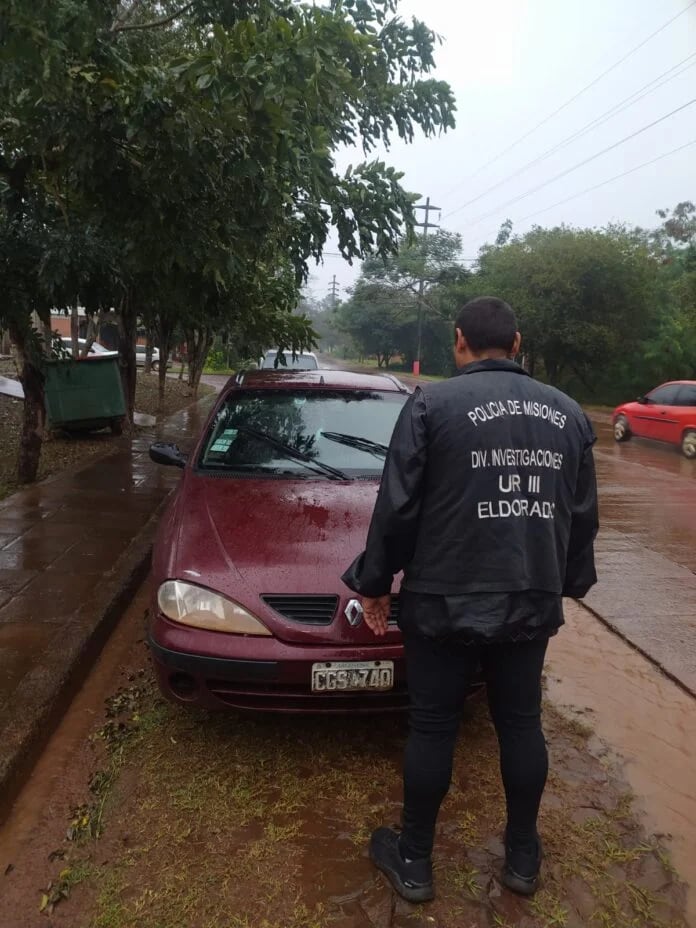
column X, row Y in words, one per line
column 46, row 691
column 656, row 663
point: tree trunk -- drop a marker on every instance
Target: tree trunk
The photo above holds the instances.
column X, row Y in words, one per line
column 198, row 342
column 74, row 332
column 165, row 344
column 184, row 363
column 92, row 334
column 47, row 339
column 127, row 334
column 32, row 380
column 148, row 351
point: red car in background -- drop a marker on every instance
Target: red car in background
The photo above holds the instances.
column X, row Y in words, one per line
column 667, row 414
column 274, row 503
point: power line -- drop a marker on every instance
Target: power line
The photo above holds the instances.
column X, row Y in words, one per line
column 580, row 164
column 624, row 104
column 609, row 180
column 602, row 183
column 575, row 96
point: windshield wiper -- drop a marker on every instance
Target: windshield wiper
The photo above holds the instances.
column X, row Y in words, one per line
column 295, row 453
column 355, row 441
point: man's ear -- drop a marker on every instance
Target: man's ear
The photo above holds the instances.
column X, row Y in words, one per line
column 516, row 345
column 459, row 341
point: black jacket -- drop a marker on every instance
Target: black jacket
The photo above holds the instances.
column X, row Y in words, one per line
column 488, row 487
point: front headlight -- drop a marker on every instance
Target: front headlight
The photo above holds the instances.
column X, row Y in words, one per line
column 201, row 608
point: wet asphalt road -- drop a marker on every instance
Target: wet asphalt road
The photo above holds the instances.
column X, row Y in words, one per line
column 646, row 550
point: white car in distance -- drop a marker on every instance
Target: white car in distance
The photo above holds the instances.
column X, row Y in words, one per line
column 94, row 348
column 302, row 361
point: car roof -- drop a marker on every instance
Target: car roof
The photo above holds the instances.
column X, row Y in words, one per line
column 298, row 354
column 337, row 380
column 671, row 383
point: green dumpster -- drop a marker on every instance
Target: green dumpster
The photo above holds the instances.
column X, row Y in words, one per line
column 85, row 394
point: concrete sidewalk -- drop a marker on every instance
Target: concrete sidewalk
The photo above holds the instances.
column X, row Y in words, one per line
column 72, row 550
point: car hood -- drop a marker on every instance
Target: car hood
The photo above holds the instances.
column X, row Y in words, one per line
column 247, row 538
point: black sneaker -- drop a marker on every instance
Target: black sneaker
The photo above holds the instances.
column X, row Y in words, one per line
column 413, row 881
column 522, row 865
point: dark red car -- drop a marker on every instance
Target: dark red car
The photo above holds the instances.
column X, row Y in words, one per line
column 668, row 413
column 274, row 503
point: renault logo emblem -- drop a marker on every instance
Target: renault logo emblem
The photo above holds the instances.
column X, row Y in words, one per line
column 354, row 613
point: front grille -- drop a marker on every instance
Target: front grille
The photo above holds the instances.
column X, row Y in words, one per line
column 309, row 610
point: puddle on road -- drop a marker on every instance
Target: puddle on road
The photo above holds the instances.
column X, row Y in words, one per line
column 649, row 722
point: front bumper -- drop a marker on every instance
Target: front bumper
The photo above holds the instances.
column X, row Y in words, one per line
column 278, row 681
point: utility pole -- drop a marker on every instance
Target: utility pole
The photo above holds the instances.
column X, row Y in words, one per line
column 421, row 286
column 333, row 291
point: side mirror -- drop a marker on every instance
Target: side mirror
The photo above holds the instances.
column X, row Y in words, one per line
column 170, row 455
column 642, row 400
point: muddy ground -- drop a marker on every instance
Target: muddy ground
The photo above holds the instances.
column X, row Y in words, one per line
column 144, row 814
column 59, row 451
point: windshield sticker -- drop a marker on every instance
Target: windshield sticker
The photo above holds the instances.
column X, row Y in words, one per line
column 223, row 442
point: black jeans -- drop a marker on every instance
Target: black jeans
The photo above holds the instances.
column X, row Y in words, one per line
column 440, row 672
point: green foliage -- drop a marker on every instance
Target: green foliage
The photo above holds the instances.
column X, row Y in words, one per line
column 382, row 315
column 586, row 299
column 583, row 296
column 179, row 163
column 374, row 319
column 217, row 360
column 325, row 317
column 605, row 313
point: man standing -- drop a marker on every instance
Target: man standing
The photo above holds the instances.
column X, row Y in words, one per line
column 488, row 504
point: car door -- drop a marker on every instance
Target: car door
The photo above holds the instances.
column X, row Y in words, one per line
column 657, row 417
column 685, row 411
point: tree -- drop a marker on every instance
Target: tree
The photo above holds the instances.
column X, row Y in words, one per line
column 586, row 298
column 373, row 318
column 680, row 223
column 43, row 264
column 324, row 315
column 390, row 289
column 199, row 140
column 672, row 353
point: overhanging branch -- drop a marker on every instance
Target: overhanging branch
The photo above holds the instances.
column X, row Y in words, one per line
column 125, row 14
column 155, row 23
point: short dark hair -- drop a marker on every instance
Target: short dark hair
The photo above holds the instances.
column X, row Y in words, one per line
column 487, row 323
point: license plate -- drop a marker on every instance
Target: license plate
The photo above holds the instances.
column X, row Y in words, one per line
column 352, row 676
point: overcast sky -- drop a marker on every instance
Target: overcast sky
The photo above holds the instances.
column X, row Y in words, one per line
column 512, row 64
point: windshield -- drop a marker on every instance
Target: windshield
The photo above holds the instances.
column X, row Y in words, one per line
column 301, row 362
column 302, row 433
